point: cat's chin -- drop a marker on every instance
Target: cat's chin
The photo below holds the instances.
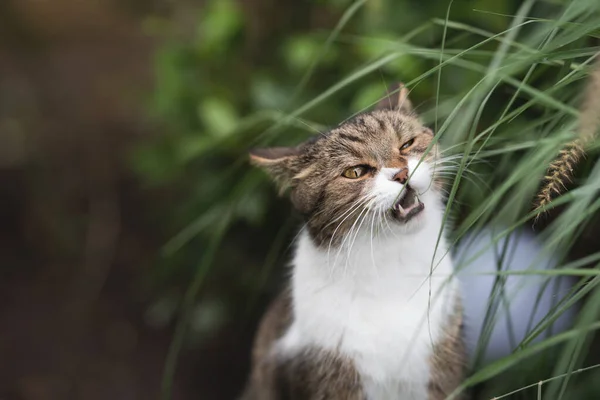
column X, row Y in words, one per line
column 410, row 226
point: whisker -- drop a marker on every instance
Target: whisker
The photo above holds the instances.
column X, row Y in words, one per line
column 347, row 211
column 374, row 214
column 349, row 235
column 385, row 218
column 466, row 177
column 349, row 253
column 359, row 203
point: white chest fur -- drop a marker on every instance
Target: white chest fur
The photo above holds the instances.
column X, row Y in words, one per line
column 382, row 305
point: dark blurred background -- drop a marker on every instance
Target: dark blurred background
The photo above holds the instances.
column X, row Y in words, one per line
column 123, row 128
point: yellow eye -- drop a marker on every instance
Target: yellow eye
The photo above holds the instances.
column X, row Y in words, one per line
column 407, row 144
column 354, row 172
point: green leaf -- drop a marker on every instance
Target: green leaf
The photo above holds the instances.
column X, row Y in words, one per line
column 300, row 51
column 368, row 95
column 267, row 94
column 220, row 21
column 219, row 116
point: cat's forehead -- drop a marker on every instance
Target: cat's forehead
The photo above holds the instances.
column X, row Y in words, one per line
column 378, row 120
column 375, row 133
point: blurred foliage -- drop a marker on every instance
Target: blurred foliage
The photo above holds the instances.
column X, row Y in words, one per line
column 506, row 97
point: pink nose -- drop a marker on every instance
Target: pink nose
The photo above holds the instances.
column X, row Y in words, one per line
column 401, row 176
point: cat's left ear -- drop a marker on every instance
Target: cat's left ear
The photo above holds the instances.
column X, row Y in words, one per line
column 396, row 99
column 281, row 163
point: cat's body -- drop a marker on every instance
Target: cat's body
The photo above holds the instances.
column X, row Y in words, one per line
column 373, row 312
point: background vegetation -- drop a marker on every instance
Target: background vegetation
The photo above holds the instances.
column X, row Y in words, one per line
column 177, row 230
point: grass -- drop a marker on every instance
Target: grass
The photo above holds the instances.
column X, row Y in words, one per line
column 518, row 126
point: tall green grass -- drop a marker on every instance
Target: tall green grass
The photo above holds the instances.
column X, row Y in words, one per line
column 506, row 98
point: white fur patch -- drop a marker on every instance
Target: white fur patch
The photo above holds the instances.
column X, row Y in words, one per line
column 377, row 303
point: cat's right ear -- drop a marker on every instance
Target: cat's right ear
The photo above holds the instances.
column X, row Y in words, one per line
column 281, row 163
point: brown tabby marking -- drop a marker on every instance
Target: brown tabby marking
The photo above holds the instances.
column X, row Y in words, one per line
column 313, row 374
column 449, row 359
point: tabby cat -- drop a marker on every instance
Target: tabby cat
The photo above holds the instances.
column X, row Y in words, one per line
column 373, row 311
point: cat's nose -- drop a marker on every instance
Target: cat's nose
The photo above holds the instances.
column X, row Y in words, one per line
column 401, row 176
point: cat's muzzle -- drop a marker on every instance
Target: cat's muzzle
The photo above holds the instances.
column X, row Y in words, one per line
column 408, row 205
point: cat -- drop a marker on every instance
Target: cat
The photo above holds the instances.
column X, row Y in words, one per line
column 373, row 311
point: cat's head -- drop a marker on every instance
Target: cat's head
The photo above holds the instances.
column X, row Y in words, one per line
column 377, row 167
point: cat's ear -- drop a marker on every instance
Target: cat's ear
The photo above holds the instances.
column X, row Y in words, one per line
column 396, row 99
column 281, row 163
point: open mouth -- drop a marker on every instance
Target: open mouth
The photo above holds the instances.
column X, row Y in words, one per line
column 408, row 206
